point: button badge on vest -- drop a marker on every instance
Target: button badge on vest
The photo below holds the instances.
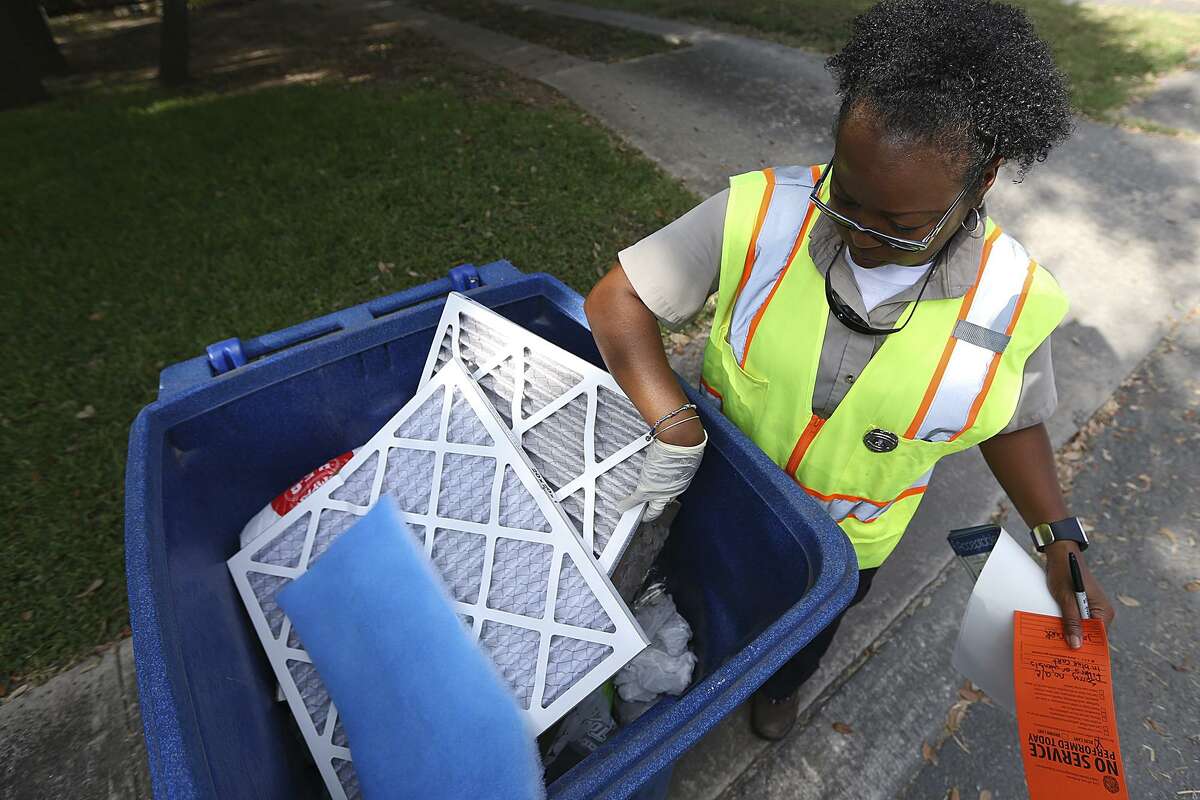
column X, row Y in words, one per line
column 878, row 440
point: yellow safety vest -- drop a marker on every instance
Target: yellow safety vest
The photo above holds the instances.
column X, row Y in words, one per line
column 950, row 380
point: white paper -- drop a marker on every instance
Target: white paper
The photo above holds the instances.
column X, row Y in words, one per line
column 1011, row 581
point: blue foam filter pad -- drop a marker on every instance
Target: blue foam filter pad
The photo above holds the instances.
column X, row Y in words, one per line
column 426, row 714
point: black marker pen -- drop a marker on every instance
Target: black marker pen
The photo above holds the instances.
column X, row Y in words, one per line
column 1080, row 592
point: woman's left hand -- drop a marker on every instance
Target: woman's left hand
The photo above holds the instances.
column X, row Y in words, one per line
column 1058, row 578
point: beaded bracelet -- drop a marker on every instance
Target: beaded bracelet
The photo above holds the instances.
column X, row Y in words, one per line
column 654, row 428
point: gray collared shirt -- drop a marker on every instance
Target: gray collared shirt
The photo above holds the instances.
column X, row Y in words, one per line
column 675, row 269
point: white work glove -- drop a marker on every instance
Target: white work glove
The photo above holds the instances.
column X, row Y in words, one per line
column 666, row 473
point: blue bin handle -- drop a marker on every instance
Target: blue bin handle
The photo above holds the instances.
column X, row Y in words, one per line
column 229, row 354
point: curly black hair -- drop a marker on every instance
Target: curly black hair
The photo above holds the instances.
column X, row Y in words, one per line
column 970, row 76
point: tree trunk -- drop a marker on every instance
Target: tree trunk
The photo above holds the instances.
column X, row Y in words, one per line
column 20, row 77
column 31, row 28
column 173, row 55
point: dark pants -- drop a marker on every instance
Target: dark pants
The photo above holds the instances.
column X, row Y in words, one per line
column 794, row 673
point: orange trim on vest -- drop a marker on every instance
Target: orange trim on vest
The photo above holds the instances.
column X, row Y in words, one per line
column 940, row 372
column 991, row 374
column 763, row 205
column 704, row 385
column 806, row 437
column 877, row 517
column 758, row 315
column 909, row 492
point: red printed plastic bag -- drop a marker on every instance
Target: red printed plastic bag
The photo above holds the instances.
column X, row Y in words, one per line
column 291, row 497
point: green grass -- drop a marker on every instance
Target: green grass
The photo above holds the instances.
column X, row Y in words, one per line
column 137, row 227
column 578, row 37
column 1109, row 53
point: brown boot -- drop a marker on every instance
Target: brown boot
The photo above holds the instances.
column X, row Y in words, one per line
column 774, row 719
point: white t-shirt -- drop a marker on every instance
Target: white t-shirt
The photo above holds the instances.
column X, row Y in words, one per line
column 878, row 284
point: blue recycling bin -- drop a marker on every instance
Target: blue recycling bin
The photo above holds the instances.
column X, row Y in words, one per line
column 754, row 565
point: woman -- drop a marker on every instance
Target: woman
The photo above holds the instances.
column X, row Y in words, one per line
column 870, row 317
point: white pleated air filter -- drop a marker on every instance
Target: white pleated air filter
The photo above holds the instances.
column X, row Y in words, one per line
column 578, row 428
column 522, row 581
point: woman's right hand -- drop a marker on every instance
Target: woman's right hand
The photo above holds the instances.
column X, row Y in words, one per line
column 666, row 474
column 628, row 336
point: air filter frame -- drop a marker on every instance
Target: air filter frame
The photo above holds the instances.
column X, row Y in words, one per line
column 537, row 620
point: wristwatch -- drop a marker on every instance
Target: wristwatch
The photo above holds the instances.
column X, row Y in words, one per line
column 1069, row 529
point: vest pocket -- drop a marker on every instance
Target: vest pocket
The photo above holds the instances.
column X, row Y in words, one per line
column 742, row 394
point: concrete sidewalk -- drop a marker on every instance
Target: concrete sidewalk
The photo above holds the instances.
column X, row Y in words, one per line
column 78, row 735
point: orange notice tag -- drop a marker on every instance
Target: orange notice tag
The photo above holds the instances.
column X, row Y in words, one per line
column 1065, row 714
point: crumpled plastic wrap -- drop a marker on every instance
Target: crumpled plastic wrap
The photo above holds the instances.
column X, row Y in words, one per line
column 666, row 666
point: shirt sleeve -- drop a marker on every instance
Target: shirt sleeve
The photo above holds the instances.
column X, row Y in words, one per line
column 676, row 268
column 1039, row 397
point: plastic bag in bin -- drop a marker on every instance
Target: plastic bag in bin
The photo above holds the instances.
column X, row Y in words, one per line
column 290, row 497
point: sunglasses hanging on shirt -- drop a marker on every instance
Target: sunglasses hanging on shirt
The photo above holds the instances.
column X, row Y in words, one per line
column 850, row 318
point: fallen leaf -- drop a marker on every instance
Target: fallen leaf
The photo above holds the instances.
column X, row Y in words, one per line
column 985, row 794
column 954, row 718
column 953, row 794
column 1154, row 726
column 1170, row 534
column 126, row 632
column 843, row 728
column 1180, row 667
column 1192, row 586
column 91, row 589
column 96, row 316
column 969, row 693
column 384, row 267
column 928, row 753
column 20, row 690
column 26, row 616
column 1126, row 600
column 412, row 273
column 88, row 412
column 679, row 338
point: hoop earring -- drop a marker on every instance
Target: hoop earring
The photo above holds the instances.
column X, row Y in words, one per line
column 978, row 221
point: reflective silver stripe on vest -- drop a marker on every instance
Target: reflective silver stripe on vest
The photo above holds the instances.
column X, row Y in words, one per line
column 992, row 309
column 781, row 226
column 864, row 510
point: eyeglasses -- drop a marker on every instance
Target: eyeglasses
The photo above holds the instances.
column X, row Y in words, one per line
column 850, row 318
column 895, row 242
